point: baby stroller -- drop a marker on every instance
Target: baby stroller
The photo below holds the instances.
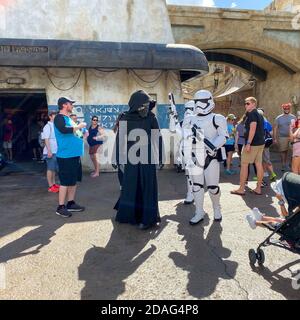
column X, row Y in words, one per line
column 289, row 231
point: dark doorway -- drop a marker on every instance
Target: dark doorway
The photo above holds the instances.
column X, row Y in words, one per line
column 28, row 112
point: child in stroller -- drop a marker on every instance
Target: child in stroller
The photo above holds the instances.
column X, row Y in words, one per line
column 287, row 226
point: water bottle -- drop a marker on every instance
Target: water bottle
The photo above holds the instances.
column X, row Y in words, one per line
column 257, row 214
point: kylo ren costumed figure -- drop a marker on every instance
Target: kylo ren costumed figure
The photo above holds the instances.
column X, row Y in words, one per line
column 138, row 151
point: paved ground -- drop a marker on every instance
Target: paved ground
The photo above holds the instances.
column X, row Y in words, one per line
column 92, row 257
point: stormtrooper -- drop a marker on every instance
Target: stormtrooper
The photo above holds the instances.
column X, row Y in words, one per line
column 205, row 134
column 176, row 127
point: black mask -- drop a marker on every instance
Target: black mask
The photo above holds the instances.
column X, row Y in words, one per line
column 143, row 111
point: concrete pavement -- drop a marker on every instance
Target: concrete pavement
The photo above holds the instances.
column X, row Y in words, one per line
column 91, row 257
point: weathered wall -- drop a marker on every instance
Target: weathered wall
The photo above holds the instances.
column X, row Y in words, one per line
column 102, row 20
column 99, row 93
column 257, row 36
column 96, row 92
column 283, row 5
column 278, row 89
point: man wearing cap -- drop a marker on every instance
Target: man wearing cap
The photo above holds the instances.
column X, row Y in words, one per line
column 282, row 134
column 70, row 149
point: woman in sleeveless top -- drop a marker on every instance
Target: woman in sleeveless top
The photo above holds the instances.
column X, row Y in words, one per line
column 295, row 138
column 94, row 131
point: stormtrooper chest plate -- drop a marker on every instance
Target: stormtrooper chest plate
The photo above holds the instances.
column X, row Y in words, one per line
column 206, row 124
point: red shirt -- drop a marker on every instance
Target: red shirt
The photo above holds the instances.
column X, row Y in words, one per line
column 8, row 132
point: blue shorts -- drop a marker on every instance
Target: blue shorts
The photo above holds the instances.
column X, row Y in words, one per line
column 52, row 163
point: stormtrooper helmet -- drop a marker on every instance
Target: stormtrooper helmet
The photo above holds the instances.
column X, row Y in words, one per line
column 204, row 102
column 189, row 108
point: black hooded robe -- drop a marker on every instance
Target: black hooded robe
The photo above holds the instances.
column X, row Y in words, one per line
column 138, row 203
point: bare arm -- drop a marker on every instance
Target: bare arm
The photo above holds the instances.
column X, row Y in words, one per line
column 101, row 135
column 47, row 143
column 275, row 134
column 237, row 136
column 253, row 126
column 294, row 135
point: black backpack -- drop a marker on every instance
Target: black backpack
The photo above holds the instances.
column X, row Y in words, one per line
column 268, row 139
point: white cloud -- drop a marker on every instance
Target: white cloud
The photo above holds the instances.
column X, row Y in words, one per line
column 203, row 3
column 233, row 5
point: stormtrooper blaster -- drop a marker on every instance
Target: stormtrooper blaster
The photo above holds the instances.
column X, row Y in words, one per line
column 210, row 148
column 173, row 109
column 173, row 113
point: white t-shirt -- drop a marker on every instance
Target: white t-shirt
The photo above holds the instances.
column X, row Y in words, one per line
column 49, row 133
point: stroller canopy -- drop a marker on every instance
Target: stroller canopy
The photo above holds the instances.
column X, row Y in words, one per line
column 291, row 189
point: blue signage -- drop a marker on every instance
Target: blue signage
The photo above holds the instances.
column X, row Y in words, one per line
column 108, row 114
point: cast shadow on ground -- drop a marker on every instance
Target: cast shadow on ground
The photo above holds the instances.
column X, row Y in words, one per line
column 279, row 283
column 207, row 260
column 263, row 202
column 30, row 206
column 105, row 270
column 30, row 243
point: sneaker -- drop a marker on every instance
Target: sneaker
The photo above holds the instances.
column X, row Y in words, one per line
column 57, row 186
column 264, row 184
column 258, row 216
column 74, row 207
column 53, row 189
column 63, row 212
column 251, row 221
column 273, row 177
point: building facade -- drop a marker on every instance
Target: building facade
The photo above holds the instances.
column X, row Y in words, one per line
column 98, row 54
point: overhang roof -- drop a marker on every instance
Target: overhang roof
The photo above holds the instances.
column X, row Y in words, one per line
column 106, row 55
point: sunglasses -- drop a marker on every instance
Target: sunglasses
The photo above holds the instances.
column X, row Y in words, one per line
column 94, row 119
column 247, row 103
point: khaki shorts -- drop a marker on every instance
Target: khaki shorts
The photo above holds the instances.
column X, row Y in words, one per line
column 255, row 155
column 284, row 144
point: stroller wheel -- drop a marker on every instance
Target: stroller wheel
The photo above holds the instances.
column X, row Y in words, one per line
column 261, row 257
column 252, row 257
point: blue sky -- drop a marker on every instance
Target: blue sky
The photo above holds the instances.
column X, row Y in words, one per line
column 237, row 4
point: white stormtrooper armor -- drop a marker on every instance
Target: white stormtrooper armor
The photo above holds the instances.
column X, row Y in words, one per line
column 212, row 128
column 174, row 123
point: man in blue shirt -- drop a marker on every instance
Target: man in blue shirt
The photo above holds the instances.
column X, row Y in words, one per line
column 70, row 149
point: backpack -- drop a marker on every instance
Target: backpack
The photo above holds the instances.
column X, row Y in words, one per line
column 268, row 139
